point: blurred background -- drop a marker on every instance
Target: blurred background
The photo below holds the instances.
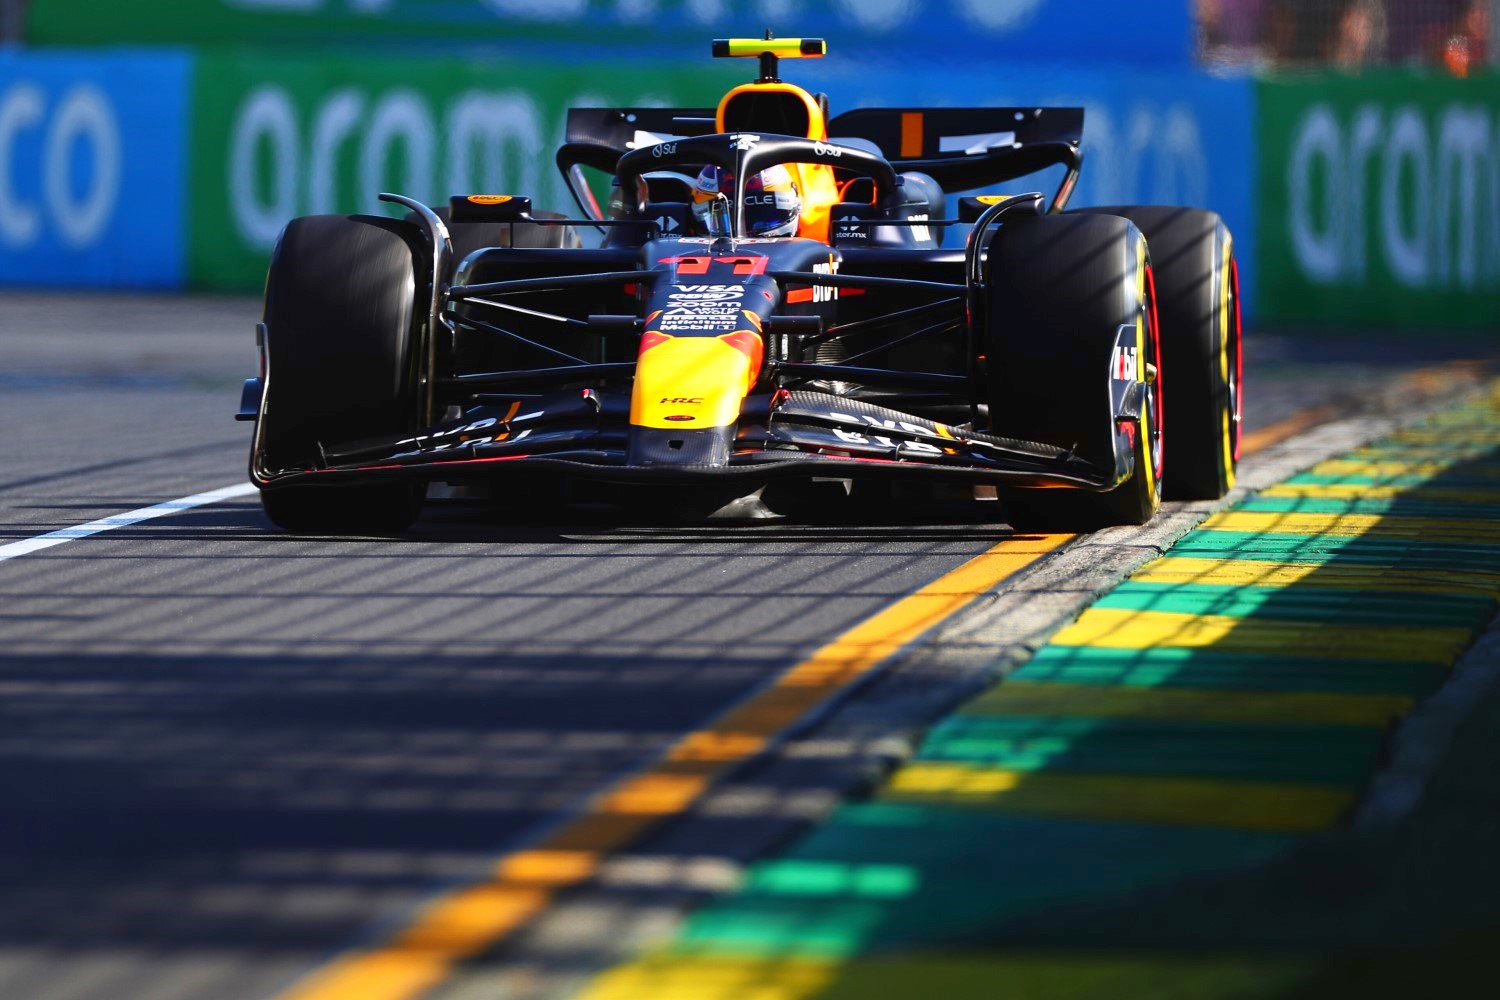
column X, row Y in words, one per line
column 1453, row 35
column 1353, row 146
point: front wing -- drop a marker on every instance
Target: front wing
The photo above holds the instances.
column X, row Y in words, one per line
column 584, row 434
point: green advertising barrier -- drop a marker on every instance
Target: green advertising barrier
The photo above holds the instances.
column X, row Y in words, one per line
column 1379, row 201
column 943, row 31
column 274, row 138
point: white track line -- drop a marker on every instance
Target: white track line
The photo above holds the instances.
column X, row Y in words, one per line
column 51, row 538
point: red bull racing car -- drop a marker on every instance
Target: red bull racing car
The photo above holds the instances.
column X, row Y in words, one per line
column 776, row 299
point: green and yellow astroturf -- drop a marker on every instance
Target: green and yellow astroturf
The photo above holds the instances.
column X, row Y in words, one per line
column 1226, row 702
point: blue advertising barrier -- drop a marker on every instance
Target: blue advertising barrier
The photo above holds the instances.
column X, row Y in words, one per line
column 92, row 168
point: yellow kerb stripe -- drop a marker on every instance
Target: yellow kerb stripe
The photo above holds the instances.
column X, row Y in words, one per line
column 1344, row 467
column 1246, row 805
column 1252, row 573
column 673, row 977
column 1115, row 628
column 1359, row 491
column 1031, row 699
column 1351, row 525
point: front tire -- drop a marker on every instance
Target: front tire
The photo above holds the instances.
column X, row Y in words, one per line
column 1197, row 281
column 384, row 509
column 340, row 340
column 1061, row 287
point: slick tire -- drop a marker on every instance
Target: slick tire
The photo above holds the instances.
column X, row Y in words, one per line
column 1197, row 288
column 1060, row 288
column 340, row 339
column 383, row 509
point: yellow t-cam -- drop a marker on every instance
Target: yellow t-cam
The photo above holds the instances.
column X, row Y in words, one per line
column 771, row 105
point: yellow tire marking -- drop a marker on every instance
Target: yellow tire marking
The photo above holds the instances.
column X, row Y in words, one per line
column 1146, row 459
column 522, row 884
column 1224, row 321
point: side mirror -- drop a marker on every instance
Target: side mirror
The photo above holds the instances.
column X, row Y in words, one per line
column 970, row 209
column 489, row 208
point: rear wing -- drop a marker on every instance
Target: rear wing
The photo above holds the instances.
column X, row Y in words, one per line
column 963, row 149
column 968, row 148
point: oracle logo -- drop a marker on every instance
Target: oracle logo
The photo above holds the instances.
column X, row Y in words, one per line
column 285, row 161
column 80, row 127
column 1419, row 185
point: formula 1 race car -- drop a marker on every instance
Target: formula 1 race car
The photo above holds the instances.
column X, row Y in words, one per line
column 771, row 306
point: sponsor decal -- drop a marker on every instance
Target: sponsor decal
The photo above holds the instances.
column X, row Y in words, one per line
column 708, row 293
column 744, row 141
column 703, row 308
column 488, row 199
column 824, row 149
column 865, row 420
column 664, row 149
column 685, row 401
column 643, row 139
column 1125, row 364
column 823, row 293
column 922, row 234
column 679, row 417
column 844, row 231
column 461, row 441
column 976, row 145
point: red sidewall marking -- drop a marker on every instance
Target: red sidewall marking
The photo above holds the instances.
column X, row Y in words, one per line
column 1153, row 323
column 1239, row 357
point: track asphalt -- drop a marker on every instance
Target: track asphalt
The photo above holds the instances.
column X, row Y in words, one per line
column 229, row 753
